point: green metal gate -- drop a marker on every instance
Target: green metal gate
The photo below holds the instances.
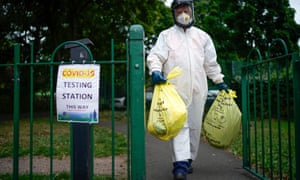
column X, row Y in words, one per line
column 135, row 110
column 271, row 116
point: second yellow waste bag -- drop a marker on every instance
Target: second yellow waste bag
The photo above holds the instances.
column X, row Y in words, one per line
column 222, row 122
column 168, row 112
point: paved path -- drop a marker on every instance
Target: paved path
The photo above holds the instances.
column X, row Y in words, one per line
column 212, row 163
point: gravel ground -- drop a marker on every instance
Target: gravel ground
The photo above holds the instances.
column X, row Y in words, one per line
column 41, row 165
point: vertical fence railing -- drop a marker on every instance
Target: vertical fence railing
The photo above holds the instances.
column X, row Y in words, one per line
column 16, row 111
column 135, row 110
column 296, row 83
column 270, row 122
column 112, row 109
column 31, row 109
column 248, row 114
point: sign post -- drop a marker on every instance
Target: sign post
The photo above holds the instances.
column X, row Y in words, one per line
column 77, row 98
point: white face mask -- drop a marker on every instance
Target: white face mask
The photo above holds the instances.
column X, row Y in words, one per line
column 184, row 18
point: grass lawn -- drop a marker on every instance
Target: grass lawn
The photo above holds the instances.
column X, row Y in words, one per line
column 269, row 147
column 61, row 138
column 61, row 142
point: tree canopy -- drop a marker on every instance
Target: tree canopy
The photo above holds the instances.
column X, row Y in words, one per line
column 236, row 26
column 48, row 23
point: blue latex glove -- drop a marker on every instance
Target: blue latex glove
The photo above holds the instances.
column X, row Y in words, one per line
column 158, row 78
column 223, row 86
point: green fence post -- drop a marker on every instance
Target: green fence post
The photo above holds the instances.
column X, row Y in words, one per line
column 16, row 115
column 137, row 103
column 296, row 78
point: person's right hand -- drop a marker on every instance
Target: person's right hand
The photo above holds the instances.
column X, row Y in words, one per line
column 158, row 78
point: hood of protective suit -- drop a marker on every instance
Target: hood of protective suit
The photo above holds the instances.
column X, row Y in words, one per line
column 183, row 20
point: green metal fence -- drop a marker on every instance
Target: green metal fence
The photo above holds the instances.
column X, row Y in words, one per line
column 270, row 107
column 135, row 78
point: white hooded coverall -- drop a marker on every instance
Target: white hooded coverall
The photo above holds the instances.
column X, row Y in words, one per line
column 194, row 52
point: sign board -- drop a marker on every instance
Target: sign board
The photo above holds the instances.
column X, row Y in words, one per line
column 77, row 93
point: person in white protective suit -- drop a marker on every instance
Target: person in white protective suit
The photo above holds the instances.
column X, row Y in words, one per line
column 193, row 50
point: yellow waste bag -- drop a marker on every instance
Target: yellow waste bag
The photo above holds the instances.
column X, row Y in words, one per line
column 168, row 112
column 223, row 120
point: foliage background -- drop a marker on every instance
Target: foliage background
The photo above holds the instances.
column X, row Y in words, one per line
column 236, row 26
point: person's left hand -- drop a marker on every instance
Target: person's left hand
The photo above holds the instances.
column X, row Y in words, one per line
column 223, row 86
